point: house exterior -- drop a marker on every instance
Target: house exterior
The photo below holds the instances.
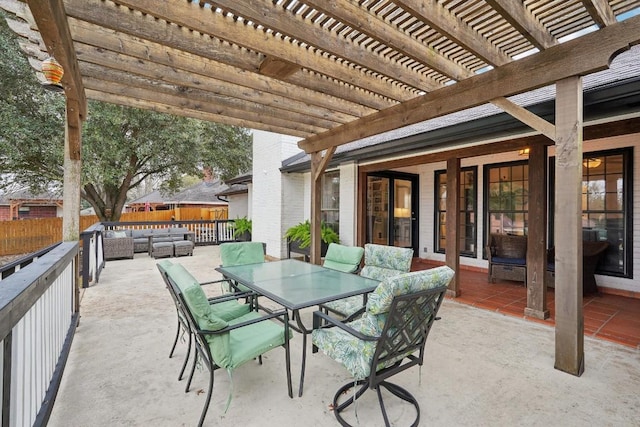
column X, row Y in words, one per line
column 391, row 188
column 201, row 195
column 23, row 204
column 238, row 195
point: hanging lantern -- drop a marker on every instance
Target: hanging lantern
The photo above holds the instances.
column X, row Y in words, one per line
column 53, row 73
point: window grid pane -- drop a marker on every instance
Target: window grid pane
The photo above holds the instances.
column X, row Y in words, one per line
column 508, row 199
column 603, row 215
column 467, row 213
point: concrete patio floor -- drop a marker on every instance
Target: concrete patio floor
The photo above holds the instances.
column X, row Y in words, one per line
column 482, row 369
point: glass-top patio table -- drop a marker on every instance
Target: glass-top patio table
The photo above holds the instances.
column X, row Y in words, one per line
column 296, row 285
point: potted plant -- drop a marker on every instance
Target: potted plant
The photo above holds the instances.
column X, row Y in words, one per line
column 299, row 238
column 242, row 229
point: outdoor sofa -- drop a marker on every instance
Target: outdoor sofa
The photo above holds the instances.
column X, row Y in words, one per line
column 124, row 243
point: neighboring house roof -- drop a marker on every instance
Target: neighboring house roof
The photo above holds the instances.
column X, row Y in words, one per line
column 203, row 193
column 26, row 196
column 153, row 197
column 237, row 185
column 245, row 178
column 234, row 189
column 607, row 93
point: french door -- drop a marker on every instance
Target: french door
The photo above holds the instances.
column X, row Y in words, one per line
column 392, row 210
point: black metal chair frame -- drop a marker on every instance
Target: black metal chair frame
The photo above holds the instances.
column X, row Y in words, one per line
column 183, row 326
column 405, row 332
column 203, row 350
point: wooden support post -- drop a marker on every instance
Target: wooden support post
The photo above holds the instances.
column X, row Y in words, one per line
column 453, row 215
column 72, row 174
column 568, row 228
column 537, row 234
column 318, row 165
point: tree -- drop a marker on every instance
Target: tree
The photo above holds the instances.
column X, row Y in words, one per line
column 121, row 146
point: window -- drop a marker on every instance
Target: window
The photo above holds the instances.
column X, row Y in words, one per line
column 507, row 198
column 330, row 208
column 606, row 201
column 468, row 206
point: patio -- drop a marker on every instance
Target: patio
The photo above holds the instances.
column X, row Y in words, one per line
column 483, row 368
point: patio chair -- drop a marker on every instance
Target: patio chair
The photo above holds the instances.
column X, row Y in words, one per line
column 242, row 253
column 380, row 262
column 229, row 344
column 343, row 258
column 226, row 307
column 388, row 339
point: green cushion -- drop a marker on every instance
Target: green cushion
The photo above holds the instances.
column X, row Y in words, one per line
column 241, row 253
column 226, row 310
column 229, row 310
column 380, row 299
column 182, row 277
column 343, row 258
column 201, row 310
column 238, row 346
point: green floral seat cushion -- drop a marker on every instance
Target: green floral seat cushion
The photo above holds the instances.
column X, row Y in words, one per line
column 387, row 257
column 356, row 355
column 353, row 353
column 380, row 299
column 381, row 263
column 346, row 306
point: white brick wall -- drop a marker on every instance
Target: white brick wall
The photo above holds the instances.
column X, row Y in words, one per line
column 348, row 203
column 272, row 191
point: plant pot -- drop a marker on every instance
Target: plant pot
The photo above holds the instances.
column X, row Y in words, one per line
column 294, row 246
column 244, row 237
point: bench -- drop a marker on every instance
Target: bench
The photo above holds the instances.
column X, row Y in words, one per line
column 507, row 256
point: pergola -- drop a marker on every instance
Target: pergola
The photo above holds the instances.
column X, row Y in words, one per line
column 332, row 72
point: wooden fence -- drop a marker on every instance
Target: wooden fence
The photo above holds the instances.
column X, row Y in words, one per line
column 30, row 235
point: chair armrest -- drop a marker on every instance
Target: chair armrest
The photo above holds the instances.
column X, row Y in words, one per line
column 487, row 250
column 230, row 297
column 317, row 315
column 214, row 281
column 275, row 314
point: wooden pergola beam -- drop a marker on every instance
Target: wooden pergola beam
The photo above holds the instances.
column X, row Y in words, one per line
column 190, row 16
column 100, row 39
column 585, row 55
column 180, row 111
column 51, row 19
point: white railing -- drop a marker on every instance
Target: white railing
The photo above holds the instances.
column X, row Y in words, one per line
column 37, row 320
column 225, row 231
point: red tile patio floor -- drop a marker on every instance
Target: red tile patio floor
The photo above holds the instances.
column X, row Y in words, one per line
column 608, row 317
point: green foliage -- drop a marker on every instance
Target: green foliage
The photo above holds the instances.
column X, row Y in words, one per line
column 241, row 226
column 302, row 234
column 121, row 146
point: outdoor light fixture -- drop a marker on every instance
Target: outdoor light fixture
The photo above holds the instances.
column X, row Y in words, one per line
column 524, row 151
column 591, row 162
column 53, row 73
